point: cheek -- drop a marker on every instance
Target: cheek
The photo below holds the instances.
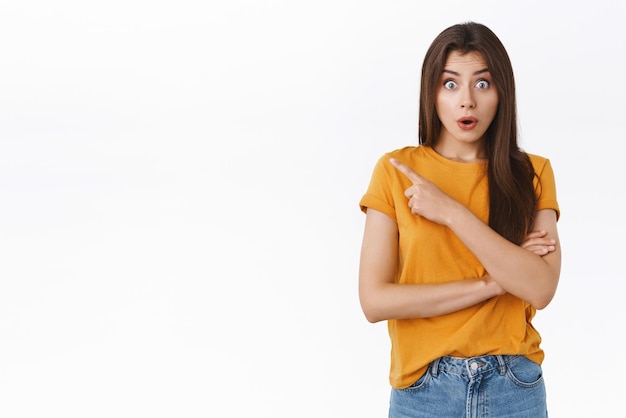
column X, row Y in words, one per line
column 492, row 105
column 495, row 99
column 441, row 100
column 442, row 107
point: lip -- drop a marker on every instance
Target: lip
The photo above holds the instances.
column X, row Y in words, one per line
column 467, row 122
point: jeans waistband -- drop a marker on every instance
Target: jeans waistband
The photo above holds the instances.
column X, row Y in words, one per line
column 471, row 366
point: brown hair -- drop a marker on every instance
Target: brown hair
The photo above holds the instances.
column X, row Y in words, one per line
column 512, row 199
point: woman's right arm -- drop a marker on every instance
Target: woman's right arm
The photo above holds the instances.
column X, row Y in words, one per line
column 382, row 299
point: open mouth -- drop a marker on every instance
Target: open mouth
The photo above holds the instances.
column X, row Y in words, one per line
column 467, row 122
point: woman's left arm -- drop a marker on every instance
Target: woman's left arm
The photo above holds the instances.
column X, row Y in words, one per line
column 523, row 273
column 520, row 272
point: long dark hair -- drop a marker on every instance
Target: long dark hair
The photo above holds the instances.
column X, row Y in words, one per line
column 512, row 199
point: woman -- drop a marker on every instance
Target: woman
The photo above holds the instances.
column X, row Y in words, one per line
column 460, row 246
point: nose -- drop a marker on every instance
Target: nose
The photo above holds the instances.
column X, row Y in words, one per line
column 467, row 99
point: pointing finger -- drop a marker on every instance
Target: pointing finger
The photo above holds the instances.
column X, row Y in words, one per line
column 406, row 170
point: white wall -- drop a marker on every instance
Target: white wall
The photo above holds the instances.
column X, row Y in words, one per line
column 179, row 186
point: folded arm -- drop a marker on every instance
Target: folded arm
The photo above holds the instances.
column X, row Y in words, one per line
column 381, row 298
column 523, row 273
column 520, row 271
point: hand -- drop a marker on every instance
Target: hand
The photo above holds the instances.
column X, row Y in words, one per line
column 536, row 242
column 425, row 199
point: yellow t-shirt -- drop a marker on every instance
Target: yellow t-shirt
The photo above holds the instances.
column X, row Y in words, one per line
column 431, row 253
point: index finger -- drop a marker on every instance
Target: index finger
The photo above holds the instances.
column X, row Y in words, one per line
column 406, row 170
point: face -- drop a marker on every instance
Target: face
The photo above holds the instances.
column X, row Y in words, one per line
column 466, row 101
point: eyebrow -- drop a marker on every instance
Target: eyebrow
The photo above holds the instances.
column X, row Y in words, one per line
column 484, row 70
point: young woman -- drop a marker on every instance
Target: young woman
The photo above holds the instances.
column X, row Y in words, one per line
column 460, row 246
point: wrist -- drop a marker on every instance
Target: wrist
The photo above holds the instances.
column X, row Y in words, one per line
column 455, row 214
column 492, row 288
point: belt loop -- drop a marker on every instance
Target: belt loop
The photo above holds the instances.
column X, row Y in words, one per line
column 434, row 367
column 501, row 364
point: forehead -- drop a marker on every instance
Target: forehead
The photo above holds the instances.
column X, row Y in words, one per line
column 471, row 60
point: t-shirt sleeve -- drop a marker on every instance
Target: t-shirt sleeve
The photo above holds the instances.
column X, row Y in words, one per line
column 379, row 195
column 546, row 189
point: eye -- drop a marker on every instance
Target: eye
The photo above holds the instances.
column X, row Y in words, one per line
column 449, row 84
column 482, row 84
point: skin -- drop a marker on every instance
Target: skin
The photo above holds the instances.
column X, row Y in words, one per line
column 465, row 89
column 529, row 271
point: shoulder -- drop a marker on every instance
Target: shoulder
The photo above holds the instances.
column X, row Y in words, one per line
column 412, row 156
column 406, row 154
column 540, row 163
column 536, row 158
column 385, row 172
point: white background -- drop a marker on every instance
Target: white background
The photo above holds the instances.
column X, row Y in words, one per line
column 179, row 187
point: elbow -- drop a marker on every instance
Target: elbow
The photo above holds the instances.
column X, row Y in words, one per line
column 372, row 318
column 542, row 301
column 371, row 312
column 541, row 293
column 546, row 297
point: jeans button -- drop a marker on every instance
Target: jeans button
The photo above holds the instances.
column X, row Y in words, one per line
column 474, row 366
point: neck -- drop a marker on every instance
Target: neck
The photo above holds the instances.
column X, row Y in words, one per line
column 464, row 153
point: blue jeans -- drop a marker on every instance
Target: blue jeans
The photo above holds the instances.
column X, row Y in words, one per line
column 485, row 387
